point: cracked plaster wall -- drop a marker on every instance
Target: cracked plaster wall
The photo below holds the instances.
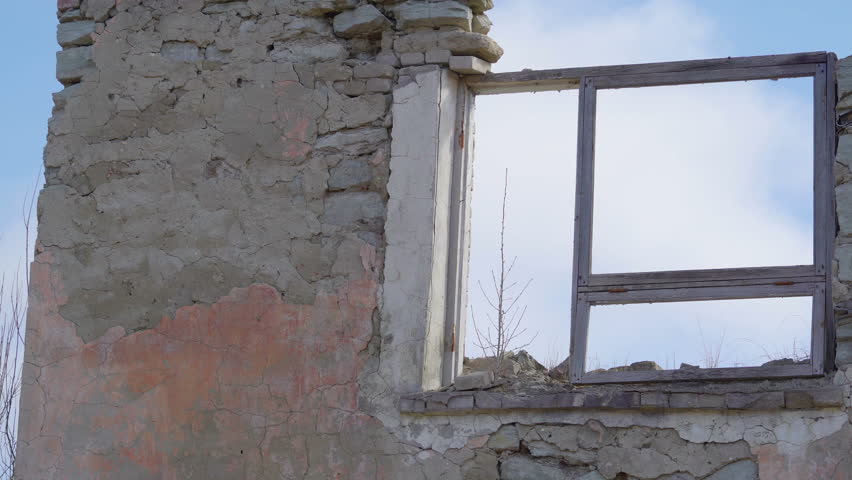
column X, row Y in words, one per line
column 227, row 190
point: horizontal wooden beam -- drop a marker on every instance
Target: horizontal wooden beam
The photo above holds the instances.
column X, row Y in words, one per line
column 709, row 76
column 569, row 78
column 601, row 281
column 708, row 283
column 663, row 295
column 738, row 373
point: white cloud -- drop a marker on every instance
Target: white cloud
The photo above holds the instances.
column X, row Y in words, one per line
column 704, row 176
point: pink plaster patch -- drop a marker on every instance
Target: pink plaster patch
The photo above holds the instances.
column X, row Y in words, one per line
column 248, row 384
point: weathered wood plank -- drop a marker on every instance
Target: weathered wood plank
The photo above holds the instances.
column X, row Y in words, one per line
column 818, row 331
column 831, row 120
column 716, row 274
column 739, row 373
column 579, row 337
column 583, row 225
column 701, row 293
column 823, row 185
column 455, row 321
column 569, row 78
column 706, row 283
column 709, row 76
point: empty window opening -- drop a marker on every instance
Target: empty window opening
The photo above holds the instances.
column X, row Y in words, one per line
column 694, row 231
column 531, row 140
column 700, row 335
column 704, row 176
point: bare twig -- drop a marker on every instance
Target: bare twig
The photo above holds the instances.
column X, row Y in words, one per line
column 504, row 328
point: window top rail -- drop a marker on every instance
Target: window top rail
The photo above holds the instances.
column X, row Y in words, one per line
column 569, row 78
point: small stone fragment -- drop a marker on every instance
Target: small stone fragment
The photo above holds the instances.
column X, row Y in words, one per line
column 364, row 21
column 67, row 4
column 469, row 65
column 474, row 381
column 72, row 64
column 75, row 33
column 98, row 10
column 506, row 438
column 481, row 24
column 349, row 173
column 181, row 51
column 438, row 55
column 379, row 85
column 409, row 59
column 466, row 43
column 374, row 70
column 411, row 15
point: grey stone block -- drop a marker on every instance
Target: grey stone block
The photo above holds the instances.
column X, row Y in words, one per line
column 379, row 85
column 844, row 353
column 411, row 15
column 74, row 63
column 408, row 59
column 523, row 467
column 469, row 65
column 75, row 33
column 181, row 51
column 798, row 400
column 506, row 438
column 460, row 402
column 374, row 70
column 350, row 209
column 487, row 400
column 474, row 381
column 439, row 56
column 655, row 399
column 481, row 24
column 479, row 6
column 365, row 20
column 844, row 333
column 709, row 400
column 755, row 401
column 349, row 173
column 98, row 10
column 843, row 194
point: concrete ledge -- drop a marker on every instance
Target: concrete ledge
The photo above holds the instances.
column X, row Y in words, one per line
column 482, row 401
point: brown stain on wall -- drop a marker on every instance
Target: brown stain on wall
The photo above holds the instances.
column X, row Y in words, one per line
column 248, row 387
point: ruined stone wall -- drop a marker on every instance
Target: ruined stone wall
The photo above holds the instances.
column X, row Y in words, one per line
column 235, row 201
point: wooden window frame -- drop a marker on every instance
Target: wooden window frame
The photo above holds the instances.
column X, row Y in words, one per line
column 694, row 285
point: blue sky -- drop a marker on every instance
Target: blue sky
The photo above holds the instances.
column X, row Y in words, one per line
column 535, row 34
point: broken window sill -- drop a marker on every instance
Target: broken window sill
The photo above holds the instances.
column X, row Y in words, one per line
column 792, row 395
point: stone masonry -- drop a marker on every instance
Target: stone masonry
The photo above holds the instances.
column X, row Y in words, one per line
column 240, row 265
